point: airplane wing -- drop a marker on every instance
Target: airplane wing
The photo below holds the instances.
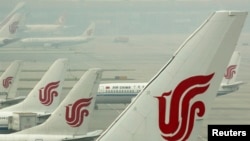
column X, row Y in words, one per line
column 90, row 136
column 236, row 84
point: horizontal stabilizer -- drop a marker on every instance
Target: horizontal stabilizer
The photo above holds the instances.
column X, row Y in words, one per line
column 90, row 136
column 235, row 84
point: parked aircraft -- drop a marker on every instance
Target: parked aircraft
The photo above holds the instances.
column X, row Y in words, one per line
column 61, row 41
column 177, row 99
column 69, row 122
column 116, row 93
column 9, row 80
column 44, row 98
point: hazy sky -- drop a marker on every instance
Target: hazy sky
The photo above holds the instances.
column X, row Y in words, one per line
column 126, row 17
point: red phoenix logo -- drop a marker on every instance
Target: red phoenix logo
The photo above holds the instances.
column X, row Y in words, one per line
column 7, row 81
column 182, row 111
column 13, row 27
column 230, row 72
column 47, row 93
column 89, row 32
column 75, row 112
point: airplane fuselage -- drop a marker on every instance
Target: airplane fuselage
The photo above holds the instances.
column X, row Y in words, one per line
column 118, row 93
column 43, row 28
column 123, row 93
column 55, row 41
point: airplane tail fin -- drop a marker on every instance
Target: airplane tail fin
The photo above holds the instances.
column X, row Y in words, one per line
column 18, row 8
column 61, row 20
column 46, row 95
column 89, row 32
column 232, row 69
column 177, row 99
column 73, row 114
column 9, row 80
column 10, row 28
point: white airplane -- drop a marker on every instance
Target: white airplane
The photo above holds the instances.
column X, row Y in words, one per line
column 61, row 41
column 9, row 29
column 69, row 122
column 8, row 88
column 44, row 98
column 117, row 93
column 47, row 28
column 177, row 99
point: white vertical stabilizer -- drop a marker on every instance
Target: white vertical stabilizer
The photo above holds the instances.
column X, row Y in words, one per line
column 10, row 28
column 232, row 69
column 18, row 8
column 89, row 32
column 73, row 114
column 177, row 99
column 46, row 94
column 9, row 80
